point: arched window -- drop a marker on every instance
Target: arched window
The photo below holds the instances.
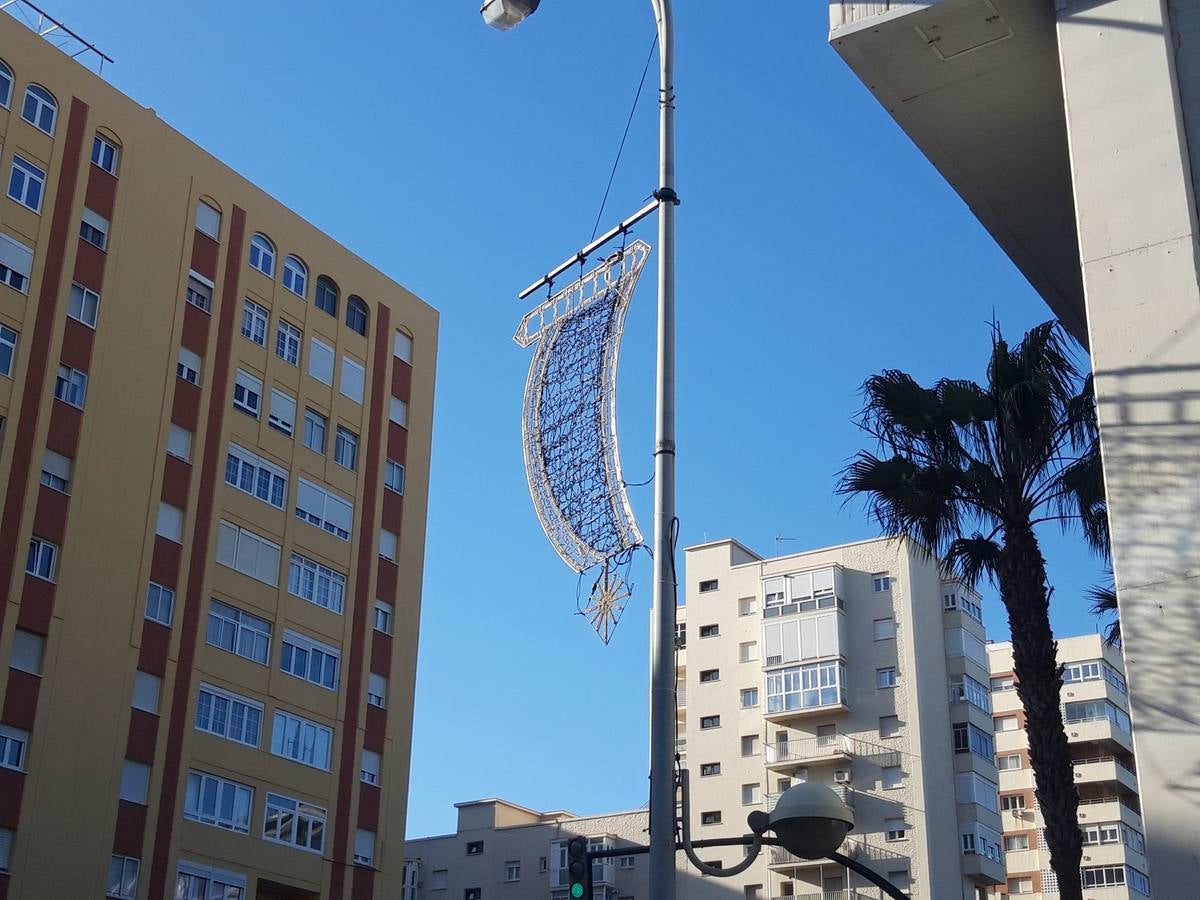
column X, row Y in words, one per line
column 106, row 152
column 40, row 109
column 327, row 295
column 262, row 254
column 295, row 276
column 6, row 83
column 356, row 314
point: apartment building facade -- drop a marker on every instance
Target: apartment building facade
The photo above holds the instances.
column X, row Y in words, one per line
column 1096, row 717
column 214, row 452
column 858, row 667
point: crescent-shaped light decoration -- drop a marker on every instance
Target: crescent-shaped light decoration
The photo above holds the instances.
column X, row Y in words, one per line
column 569, row 423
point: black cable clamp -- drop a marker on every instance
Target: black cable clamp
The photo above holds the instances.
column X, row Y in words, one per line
column 668, row 194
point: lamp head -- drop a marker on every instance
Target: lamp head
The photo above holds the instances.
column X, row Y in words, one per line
column 811, row 820
column 506, row 14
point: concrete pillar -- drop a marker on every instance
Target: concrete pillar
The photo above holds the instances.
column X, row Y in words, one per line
column 1128, row 111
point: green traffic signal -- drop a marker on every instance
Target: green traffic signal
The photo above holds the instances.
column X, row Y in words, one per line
column 577, row 890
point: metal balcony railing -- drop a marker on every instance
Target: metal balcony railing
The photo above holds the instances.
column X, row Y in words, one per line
column 1103, row 759
column 805, row 749
column 846, row 793
column 827, row 895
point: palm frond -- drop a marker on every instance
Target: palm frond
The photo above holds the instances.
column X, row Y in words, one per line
column 973, row 557
column 1104, row 604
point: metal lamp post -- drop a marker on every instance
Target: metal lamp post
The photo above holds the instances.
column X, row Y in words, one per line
column 505, row 14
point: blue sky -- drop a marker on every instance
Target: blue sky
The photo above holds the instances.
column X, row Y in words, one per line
column 816, row 247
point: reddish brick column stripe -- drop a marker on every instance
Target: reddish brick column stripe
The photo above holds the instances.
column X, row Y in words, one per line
column 363, row 601
column 194, row 600
column 38, row 346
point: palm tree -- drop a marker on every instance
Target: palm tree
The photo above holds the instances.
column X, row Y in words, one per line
column 1104, row 605
column 968, row 471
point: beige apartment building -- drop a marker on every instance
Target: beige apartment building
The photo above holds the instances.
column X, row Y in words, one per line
column 856, row 666
column 1071, row 129
column 1096, row 715
column 214, row 453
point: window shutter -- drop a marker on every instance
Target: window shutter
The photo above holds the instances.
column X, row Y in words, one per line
column 16, row 256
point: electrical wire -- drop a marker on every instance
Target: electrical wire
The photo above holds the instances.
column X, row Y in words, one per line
column 628, row 123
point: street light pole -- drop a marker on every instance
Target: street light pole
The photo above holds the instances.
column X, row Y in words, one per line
column 662, row 654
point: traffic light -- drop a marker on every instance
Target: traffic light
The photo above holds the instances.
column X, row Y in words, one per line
column 579, row 870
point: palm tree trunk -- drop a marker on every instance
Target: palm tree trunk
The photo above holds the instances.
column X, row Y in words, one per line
column 1022, row 574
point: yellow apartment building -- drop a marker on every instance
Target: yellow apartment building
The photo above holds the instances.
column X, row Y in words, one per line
column 214, row 456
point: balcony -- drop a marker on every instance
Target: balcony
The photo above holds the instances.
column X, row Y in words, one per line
column 983, row 869
column 827, row 895
column 808, row 751
column 1109, row 809
column 845, row 793
column 1105, row 769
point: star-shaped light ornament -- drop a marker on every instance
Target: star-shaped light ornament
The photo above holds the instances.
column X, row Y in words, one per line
column 606, row 603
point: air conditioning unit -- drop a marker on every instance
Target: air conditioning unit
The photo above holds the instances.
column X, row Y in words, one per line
column 841, row 776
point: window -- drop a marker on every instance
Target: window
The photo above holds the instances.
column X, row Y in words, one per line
column 135, row 782
column 170, row 522
column 712, row 768
column 1108, row 833
column 287, row 342
column 13, row 745
column 474, row 848
column 626, row 862
column 886, row 677
column 324, row 509
column 971, row 787
column 473, row 893
column 188, row 367
column 1020, row 885
column 208, row 219
column 750, row 745
column 751, row 794
column 1012, row 802
column 262, row 254
column 895, row 829
column 301, row 741
column 42, row 561
column 1102, row 876
column 393, row 476
column 16, row 261
column 8, row 350
column 383, row 617
column 217, row 801
column 388, row 545
column 196, row 882
column 353, row 379
column 747, row 651
column 317, row 583
column 968, row 738
column 93, row 228
column 881, row 583
column 345, row 448
column 56, row 472
column 1095, row 710
column 247, row 393
column 356, row 314
column 254, row 322
column 1008, row 762
column 237, row 632
column 71, row 386
column 40, row 109
column 310, row 660
column 710, row 722
column 749, row 697
column 369, row 768
column 707, row 675
column 327, row 296
column 889, row 726
column 160, row 603
column 892, row 778
column 402, row 347
column 512, row 870
column 438, row 879
column 1137, row 880
column 27, row 184
column 248, row 553
column 315, row 426
column 884, row 629
column 320, row 361
column 6, row 85
column 960, row 642
column 283, row 412
column 122, row 877
column 964, row 687
column 83, row 305
column 710, row 585
column 711, row 817
column 294, row 822
column 105, row 154
column 806, row 687
column 253, row 475
column 229, row 716
column 680, row 635
column 1014, row 842
column 1004, row 723
column 295, row 276
column 199, row 293
column 747, row 606
column 376, row 690
column 398, row 412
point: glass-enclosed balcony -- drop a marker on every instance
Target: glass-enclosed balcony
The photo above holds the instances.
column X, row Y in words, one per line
column 785, row 595
column 803, row 690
